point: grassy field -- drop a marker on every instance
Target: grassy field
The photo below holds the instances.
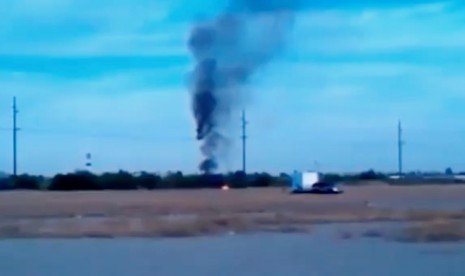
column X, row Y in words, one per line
column 199, row 212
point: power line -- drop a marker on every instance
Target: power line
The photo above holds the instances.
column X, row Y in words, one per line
column 101, row 135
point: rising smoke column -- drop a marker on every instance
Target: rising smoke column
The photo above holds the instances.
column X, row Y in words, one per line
column 228, row 50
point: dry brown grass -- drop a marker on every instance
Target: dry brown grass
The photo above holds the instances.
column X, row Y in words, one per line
column 434, row 231
column 142, row 213
column 40, row 204
column 141, row 227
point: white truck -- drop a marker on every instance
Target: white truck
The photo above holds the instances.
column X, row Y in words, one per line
column 304, row 181
column 311, row 182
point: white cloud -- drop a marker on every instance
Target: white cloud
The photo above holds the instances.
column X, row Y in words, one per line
column 358, row 96
column 322, row 108
column 89, row 28
column 103, row 44
column 122, row 13
column 122, row 44
column 373, row 30
column 342, row 70
column 118, row 99
column 125, row 124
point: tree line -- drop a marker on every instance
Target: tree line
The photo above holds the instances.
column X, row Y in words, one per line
column 122, row 180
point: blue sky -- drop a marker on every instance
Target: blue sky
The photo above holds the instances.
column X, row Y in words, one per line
column 109, row 77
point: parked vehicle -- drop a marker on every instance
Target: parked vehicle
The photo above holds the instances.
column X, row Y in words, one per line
column 312, row 183
column 302, row 182
column 325, row 188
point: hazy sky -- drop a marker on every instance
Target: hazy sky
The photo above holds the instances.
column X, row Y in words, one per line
column 109, row 77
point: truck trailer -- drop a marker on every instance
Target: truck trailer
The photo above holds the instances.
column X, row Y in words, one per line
column 304, row 181
column 312, row 182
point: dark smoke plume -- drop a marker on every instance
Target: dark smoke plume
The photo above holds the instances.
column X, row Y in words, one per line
column 228, row 50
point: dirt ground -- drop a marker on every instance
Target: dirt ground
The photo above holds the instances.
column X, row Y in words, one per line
column 44, row 204
column 144, row 213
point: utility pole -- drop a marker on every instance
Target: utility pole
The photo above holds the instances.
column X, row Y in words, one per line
column 15, row 138
column 400, row 143
column 244, row 139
